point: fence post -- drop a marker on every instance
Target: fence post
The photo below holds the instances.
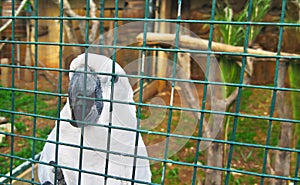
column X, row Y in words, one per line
column 6, row 73
column 163, row 56
column 28, row 77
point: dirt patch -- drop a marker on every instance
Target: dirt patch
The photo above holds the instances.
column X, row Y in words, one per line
column 26, row 125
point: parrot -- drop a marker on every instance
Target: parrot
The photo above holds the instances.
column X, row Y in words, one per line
column 89, row 151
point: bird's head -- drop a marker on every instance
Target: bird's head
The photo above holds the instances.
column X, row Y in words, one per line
column 90, row 90
column 85, row 96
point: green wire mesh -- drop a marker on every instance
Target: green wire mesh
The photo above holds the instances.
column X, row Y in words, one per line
column 169, row 168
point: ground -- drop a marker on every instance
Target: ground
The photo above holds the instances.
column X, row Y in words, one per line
column 253, row 102
column 46, row 105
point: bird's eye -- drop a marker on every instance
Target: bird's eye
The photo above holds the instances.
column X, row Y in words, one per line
column 115, row 79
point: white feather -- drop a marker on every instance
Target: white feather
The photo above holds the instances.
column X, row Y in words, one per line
column 96, row 136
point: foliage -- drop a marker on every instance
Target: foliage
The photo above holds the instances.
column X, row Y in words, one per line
column 230, row 73
column 295, row 96
column 235, row 34
column 231, row 34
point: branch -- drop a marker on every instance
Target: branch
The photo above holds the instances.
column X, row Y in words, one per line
column 67, row 8
column 16, row 14
column 269, row 166
column 95, row 25
column 69, row 12
column 71, row 35
column 3, row 44
column 186, row 41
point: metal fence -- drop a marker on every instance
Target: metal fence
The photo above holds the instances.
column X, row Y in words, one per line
column 219, row 107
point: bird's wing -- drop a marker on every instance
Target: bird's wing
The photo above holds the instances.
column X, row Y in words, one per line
column 67, row 134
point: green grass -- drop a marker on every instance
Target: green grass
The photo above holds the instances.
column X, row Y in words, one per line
column 156, row 173
column 4, row 143
column 24, row 102
column 253, row 102
column 25, row 151
column 237, row 180
column 253, row 131
column 249, row 130
column 21, row 127
column 172, row 176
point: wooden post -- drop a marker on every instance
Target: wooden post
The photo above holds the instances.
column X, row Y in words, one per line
column 28, row 77
column 5, row 73
column 163, row 56
column 184, row 60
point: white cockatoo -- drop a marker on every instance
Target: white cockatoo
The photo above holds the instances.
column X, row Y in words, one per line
column 113, row 168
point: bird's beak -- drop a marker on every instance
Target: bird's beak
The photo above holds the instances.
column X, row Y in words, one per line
column 82, row 98
column 87, row 113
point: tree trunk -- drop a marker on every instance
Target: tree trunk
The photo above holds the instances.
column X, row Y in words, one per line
column 72, row 36
column 215, row 159
column 282, row 158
